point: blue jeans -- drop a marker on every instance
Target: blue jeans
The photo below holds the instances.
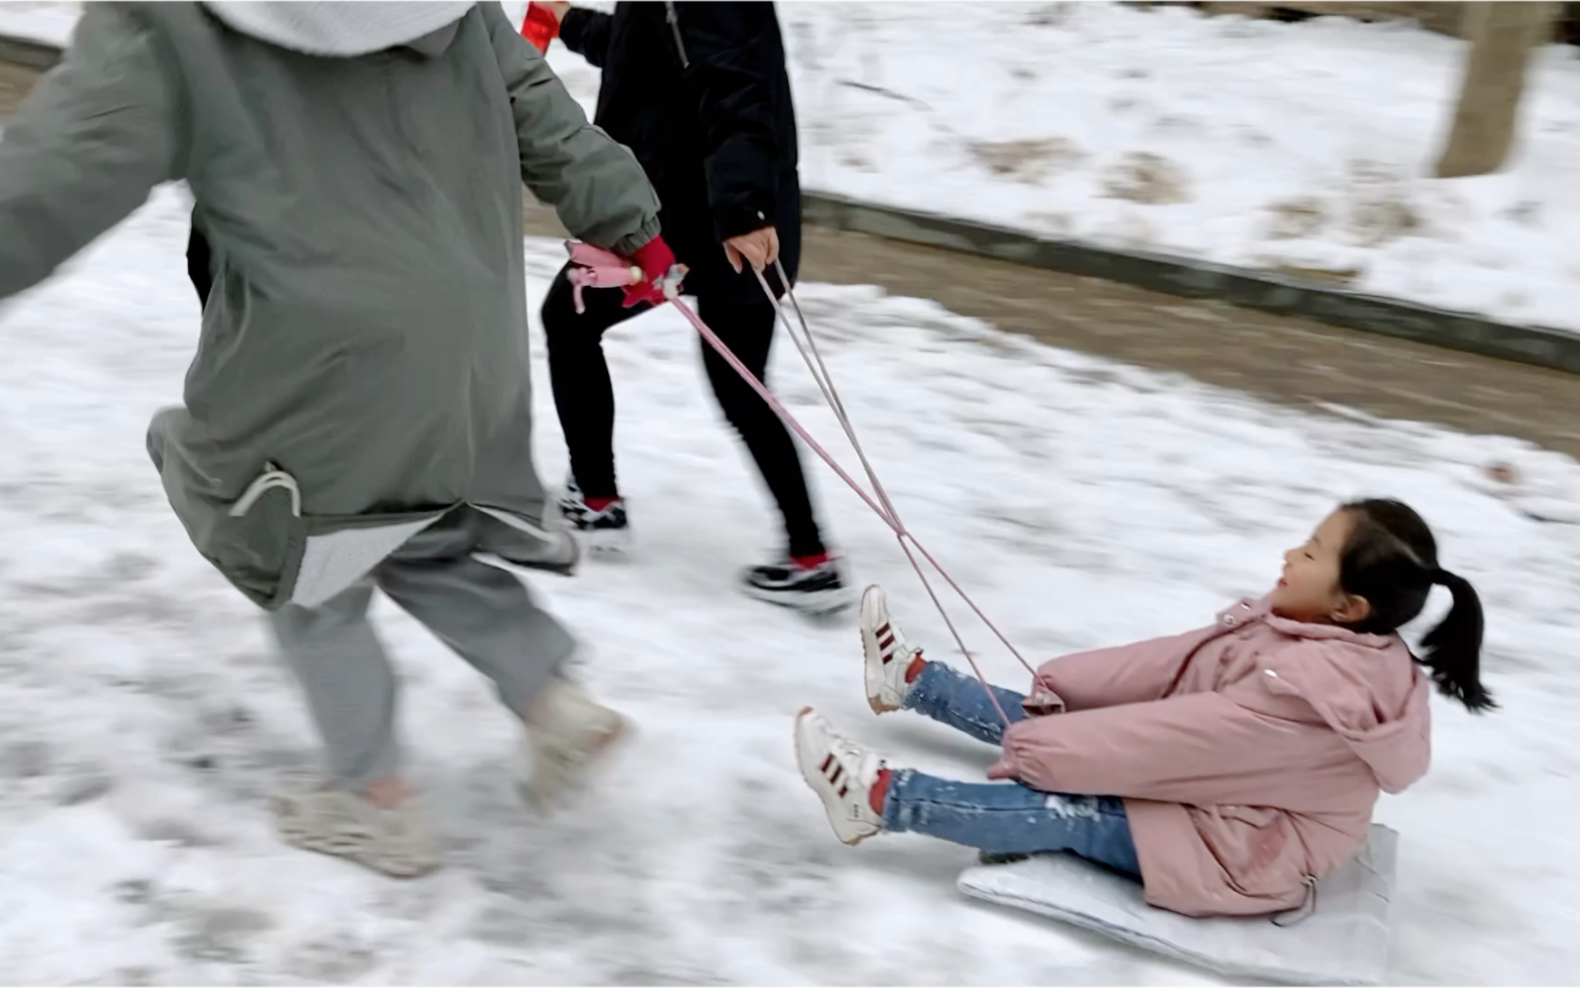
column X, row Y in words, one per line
column 999, row 818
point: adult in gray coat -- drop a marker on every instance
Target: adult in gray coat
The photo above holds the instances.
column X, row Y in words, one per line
column 358, row 414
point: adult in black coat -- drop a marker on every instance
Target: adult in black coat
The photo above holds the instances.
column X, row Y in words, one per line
column 699, row 93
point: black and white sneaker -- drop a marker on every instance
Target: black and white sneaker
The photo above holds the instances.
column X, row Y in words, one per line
column 604, row 531
column 819, row 589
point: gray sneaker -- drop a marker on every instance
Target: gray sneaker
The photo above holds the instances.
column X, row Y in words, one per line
column 319, row 816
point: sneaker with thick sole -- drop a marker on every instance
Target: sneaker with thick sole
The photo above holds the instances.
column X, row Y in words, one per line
column 568, row 735
column 603, row 531
column 319, row 816
column 816, row 590
column 886, row 655
column 842, row 773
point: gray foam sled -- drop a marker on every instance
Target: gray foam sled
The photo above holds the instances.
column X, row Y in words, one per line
column 1343, row 940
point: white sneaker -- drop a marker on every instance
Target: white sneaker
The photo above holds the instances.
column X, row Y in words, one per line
column 886, row 654
column 842, row 773
column 320, row 817
column 567, row 734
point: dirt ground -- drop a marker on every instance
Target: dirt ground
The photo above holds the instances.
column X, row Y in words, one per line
column 1284, row 359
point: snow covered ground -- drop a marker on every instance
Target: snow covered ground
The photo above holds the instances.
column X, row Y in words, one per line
column 142, row 719
column 1305, row 148
column 1302, row 147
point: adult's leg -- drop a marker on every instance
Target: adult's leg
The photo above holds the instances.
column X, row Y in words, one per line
column 1003, row 818
column 348, row 683
column 748, row 330
column 483, row 613
column 579, row 376
column 951, row 697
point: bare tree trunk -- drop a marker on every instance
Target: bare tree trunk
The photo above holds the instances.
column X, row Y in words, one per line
column 1501, row 35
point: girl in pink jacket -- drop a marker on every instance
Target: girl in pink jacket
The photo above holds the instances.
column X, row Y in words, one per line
column 1228, row 768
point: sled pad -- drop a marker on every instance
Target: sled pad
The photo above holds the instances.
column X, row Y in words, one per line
column 1343, row 940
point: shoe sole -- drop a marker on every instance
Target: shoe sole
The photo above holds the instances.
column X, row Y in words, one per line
column 365, row 854
column 823, row 603
column 374, row 862
column 828, row 811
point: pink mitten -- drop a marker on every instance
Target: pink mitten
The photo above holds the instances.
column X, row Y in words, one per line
column 592, row 267
column 642, row 277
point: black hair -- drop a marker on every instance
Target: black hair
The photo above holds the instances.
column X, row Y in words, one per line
column 1390, row 559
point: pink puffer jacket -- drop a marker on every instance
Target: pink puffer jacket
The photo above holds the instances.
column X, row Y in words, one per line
column 1249, row 754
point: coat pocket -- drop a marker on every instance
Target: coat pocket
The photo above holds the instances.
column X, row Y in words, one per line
column 322, row 554
column 256, row 542
column 275, row 555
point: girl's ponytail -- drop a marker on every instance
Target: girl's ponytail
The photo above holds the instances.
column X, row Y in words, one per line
column 1390, row 559
column 1452, row 650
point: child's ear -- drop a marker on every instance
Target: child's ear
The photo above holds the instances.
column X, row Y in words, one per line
column 1352, row 610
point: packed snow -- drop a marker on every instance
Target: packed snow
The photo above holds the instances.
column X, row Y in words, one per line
column 143, row 719
column 1305, row 149
column 46, row 21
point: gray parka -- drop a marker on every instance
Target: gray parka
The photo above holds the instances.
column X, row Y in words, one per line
column 363, row 363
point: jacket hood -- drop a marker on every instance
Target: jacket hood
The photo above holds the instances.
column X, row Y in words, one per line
column 343, row 30
column 1369, row 691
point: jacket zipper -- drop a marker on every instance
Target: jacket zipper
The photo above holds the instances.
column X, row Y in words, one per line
column 674, row 28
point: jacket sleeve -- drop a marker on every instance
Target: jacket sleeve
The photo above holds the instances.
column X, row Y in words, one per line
column 1109, row 677
column 731, row 72
column 586, row 32
column 85, row 149
column 596, row 186
column 1200, row 749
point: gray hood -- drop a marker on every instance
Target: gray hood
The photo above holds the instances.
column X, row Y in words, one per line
column 345, row 30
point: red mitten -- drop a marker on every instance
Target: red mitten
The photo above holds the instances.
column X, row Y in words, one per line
column 656, row 261
column 540, row 26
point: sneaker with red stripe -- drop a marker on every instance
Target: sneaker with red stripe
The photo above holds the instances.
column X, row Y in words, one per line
column 887, row 655
column 811, row 584
column 600, row 523
column 842, row 773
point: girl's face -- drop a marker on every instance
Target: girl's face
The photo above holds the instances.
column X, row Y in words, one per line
column 1309, row 590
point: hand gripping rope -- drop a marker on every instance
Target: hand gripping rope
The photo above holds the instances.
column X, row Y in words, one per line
column 595, row 268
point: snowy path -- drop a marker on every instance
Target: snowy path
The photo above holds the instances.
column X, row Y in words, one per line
column 142, row 719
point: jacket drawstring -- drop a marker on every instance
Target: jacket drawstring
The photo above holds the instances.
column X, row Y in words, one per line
column 271, row 478
column 673, row 18
column 1307, row 906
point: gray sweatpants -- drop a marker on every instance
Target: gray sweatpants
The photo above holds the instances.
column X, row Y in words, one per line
column 483, row 613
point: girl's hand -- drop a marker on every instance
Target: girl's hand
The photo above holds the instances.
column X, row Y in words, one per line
column 1003, row 768
column 1042, row 701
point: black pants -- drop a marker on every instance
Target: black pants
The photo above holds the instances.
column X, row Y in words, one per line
column 584, row 396
column 200, row 265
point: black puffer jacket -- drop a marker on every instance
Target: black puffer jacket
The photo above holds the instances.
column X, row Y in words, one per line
column 699, row 92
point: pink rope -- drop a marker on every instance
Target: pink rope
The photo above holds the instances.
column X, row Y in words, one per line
column 594, row 268
column 893, row 523
column 821, row 370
